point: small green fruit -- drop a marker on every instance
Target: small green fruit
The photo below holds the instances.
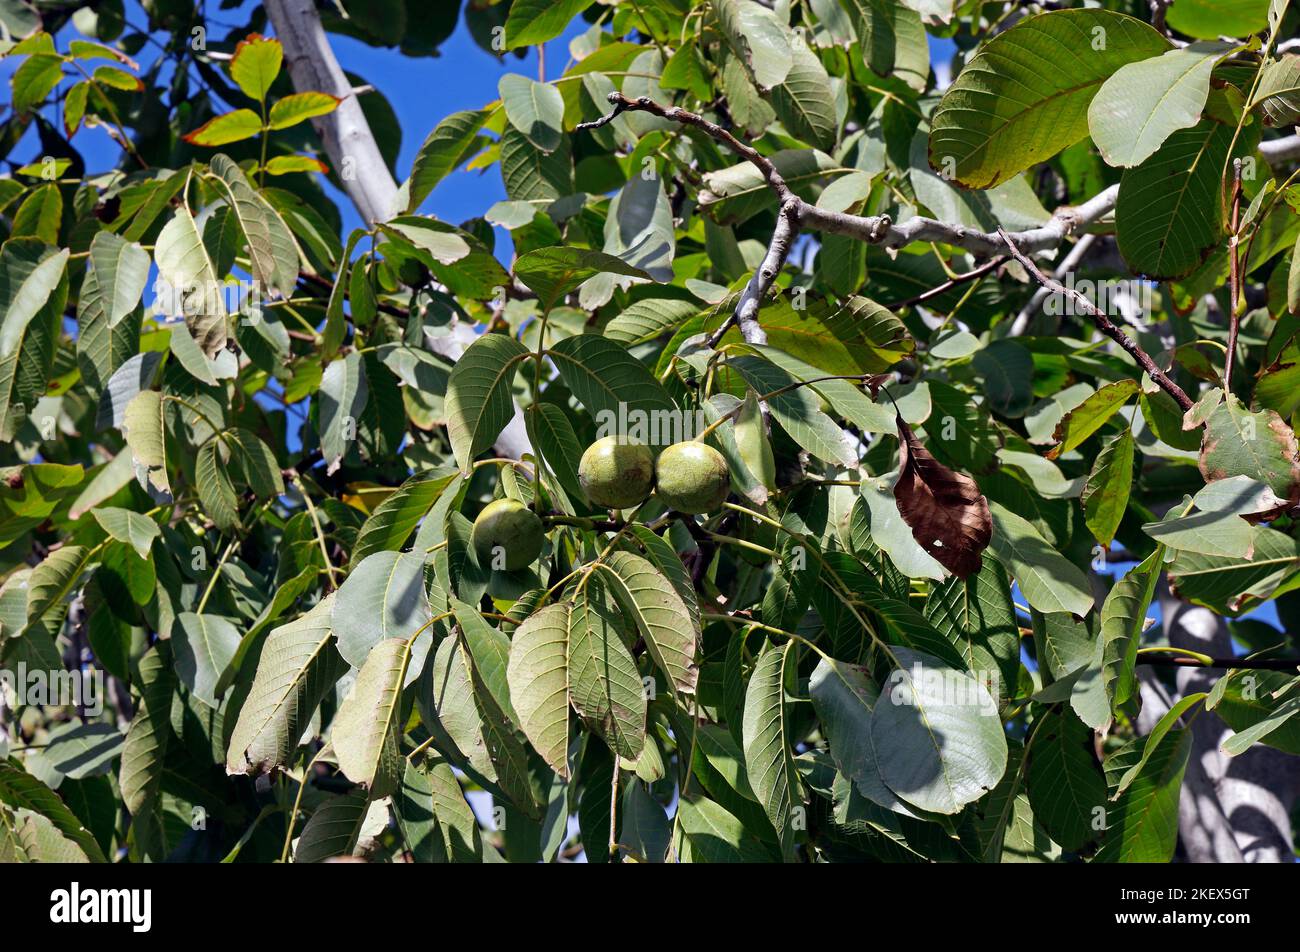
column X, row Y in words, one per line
column 692, row 478
column 507, row 535
column 616, row 473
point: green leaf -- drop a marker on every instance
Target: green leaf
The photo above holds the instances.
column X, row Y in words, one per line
column 133, row 528
column 1144, row 103
column 758, row 38
column 535, row 109
column 1065, row 784
column 614, row 386
column 224, row 129
column 204, row 645
column 40, row 215
column 367, row 728
column 797, row 411
column 664, row 622
column 1260, row 706
column 978, row 616
column 443, row 150
column 844, row 696
column 150, row 733
column 804, row 100
column 1049, row 581
column 1005, row 112
column 1227, row 585
column 1106, row 494
column 553, row 434
column 296, row 668
column 298, row 107
column 1278, row 95
column 938, row 740
column 390, row 524
column 333, row 830
column 53, row 580
column 35, row 79
column 1209, row 533
column 538, row 676
column 271, row 246
column 893, row 40
column 143, row 428
column 343, row 394
column 709, row 834
column 186, row 269
column 479, row 404
column 115, row 78
column 26, row 293
column 256, row 465
column 1163, row 727
column 450, row 711
column 1260, row 445
column 216, row 490
column 604, row 683
column 766, row 729
column 533, row 22
column 442, row 242
column 288, row 164
column 1008, row 372
column 255, row 65
column 644, row 830
column 554, row 272
column 121, row 272
column 1211, row 19
column 383, row 598
column 529, row 173
column 1091, row 415
column 436, row 822
column 1123, row 619
column 1142, row 825
column 1167, row 216
column 19, row 790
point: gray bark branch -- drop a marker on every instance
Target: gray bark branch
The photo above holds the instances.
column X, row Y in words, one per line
column 355, row 154
column 346, row 135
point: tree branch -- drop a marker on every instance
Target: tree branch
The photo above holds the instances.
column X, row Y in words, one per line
column 345, row 133
column 1104, row 324
column 745, row 315
column 876, row 229
column 1286, row 149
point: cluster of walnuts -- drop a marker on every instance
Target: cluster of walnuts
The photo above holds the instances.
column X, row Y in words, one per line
column 615, row 473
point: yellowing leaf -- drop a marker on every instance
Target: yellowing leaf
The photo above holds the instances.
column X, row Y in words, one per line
column 256, row 64
column 232, row 127
column 287, row 164
column 292, row 110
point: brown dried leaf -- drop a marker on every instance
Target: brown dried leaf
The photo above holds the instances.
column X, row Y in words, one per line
column 946, row 511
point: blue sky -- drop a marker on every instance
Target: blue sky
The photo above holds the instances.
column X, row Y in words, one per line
column 422, row 90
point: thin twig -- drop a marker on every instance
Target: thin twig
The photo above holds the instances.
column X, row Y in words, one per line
column 975, row 273
column 1234, row 277
column 1068, row 264
column 1104, row 324
column 1289, row 665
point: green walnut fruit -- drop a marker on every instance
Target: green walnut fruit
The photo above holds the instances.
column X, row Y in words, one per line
column 616, row 473
column 507, row 535
column 692, row 478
